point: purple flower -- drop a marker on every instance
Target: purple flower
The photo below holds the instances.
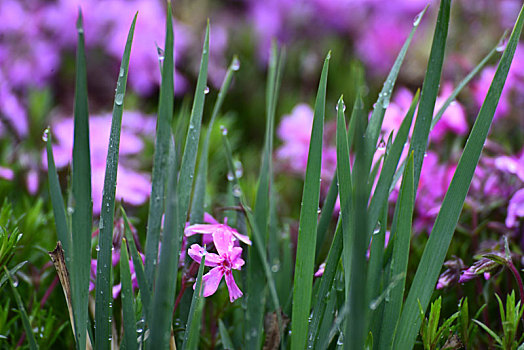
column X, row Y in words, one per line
column 515, row 208
column 212, row 226
column 452, row 274
column 6, row 173
column 223, row 263
column 295, row 132
column 320, row 270
column 483, row 267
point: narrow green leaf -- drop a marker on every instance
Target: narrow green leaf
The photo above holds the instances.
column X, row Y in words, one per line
column 327, row 213
column 490, row 332
column 23, row 314
column 81, row 191
column 326, row 284
column 128, row 307
column 197, row 208
column 430, row 89
column 105, row 242
column 12, row 271
column 442, row 232
column 224, row 336
column 145, row 292
column 385, row 181
column 345, row 184
column 192, row 334
column 165, row 282
column 355, row 332
column 379, row 109
column 257, row 237
column 256, row 292
column 187, row 168
column 399, row 262
column 307, row 230
column 163, row 134
column 465, row 82
column 57, row 200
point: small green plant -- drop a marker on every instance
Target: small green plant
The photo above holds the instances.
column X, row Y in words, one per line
column 510, row 323
column 434, row 336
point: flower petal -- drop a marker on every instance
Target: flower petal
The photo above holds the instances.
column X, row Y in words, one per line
column 196, row 252
column 210, row 219
column 223, row 240
column 201, row 229
column 241, row 237
column 211, row 280
column 234, row 291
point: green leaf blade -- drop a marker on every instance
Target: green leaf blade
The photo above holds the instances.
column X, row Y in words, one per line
column 308, row 222
column 103, row 297
column 82, row 203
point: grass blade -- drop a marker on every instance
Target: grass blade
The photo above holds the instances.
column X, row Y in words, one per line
column 187, row 168
column 430, row 89
column 25, row 319
column 257, row 237
column 81, row 191
column 355, row 332
column 224, row 336
column 344, row 182
column 442, row 232
column 382, row 190
column 327, row 213
column 143, row 286
column 399, row 262
column 192, row 334
column 326, row 284
column 103, row 274
column 163, row 134
column 308, row 221
column 375, row 121
column 256, row 290
column 465, row 81
column 165, row 282
column 57, row 200
column 128, row 307
column 197, row 208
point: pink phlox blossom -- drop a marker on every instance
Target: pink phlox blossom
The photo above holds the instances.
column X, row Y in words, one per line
column 212, row 226
column 227, row 259
column 295, row 132
column 515, row 208
column 321, row 269
column 454, row 118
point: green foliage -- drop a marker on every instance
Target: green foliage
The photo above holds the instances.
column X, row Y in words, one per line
column 433, row 336
column 510, row 318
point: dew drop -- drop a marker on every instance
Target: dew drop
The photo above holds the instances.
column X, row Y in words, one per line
column 121, row 73
column 416, row 20
column 237, row 191
column 160, row 52
column 119, row 99
column 502, row 45
column 45, row 134
column 381, row 145
column 235, row 65
column 206, row 90
column 343, row 107
column 97, row 248
column 223, row 129
column 239, row 169
column 230, row 176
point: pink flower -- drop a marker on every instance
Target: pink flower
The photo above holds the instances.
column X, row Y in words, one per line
column 515, row 208
column 212, row 227
column 227, row 259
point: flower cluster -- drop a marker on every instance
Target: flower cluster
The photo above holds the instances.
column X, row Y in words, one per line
column 225, row 239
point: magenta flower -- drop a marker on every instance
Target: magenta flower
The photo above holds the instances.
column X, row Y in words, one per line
column 214, row 226
column 223, row 263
